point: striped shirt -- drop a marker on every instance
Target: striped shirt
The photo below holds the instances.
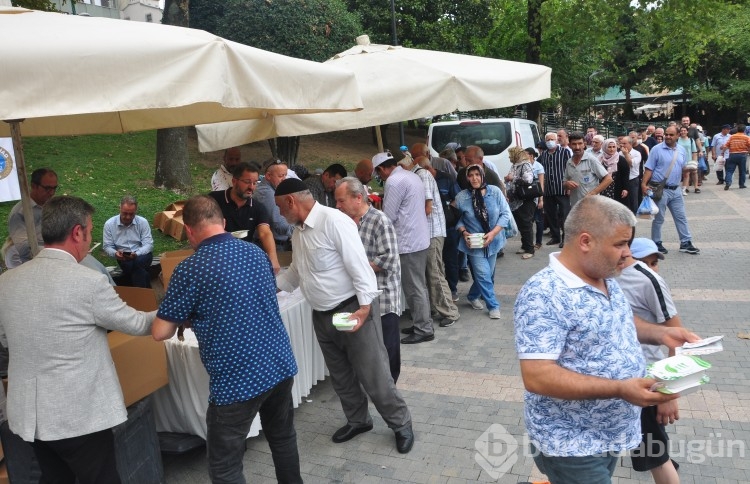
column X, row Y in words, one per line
column 379, row 238
column 738, row 143
column 436, row 218
column 403, row 203
column 554, row 170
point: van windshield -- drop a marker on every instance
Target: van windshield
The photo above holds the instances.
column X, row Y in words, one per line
column 493, row 138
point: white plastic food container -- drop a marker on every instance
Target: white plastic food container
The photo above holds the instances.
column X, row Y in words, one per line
column 342, row 323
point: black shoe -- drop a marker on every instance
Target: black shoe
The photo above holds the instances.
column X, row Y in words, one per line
column 404, row 440
column 464, row 275
column 661, row 248
column 446, row 322
column 743, row 186
column 409, row 330
column 417, row 338
column 347, row 432
column 689, row 248
column 561, row 244
column 720, row 182
column 553, row 242
column 726, row 187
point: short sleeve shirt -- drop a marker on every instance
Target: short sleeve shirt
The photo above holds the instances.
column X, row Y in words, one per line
column 588, row 173
column 560, row 317
column 246, row 217
column 235, row 314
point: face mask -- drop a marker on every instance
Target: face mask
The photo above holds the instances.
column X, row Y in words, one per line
column 551, row 144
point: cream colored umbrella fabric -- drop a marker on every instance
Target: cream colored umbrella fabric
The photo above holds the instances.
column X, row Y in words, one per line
column 68, row 75
column 72, row 75
column 398, row 84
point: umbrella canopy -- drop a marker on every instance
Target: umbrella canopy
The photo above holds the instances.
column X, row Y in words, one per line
column 72, row 75
column 398, row 84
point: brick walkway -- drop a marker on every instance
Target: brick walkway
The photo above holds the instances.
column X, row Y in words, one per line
column 468, row 380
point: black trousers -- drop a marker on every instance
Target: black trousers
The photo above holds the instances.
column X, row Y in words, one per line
column 556, row 207
column 90, row 458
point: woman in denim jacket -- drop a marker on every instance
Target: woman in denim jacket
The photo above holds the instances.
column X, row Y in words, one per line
column 483, row 210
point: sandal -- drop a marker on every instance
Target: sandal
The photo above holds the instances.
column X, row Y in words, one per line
column 527, row 255
column 537, row 246
column 697, row 190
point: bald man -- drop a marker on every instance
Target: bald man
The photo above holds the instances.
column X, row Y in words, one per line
column 222, row 178
column 363, row 171
column 440, row 164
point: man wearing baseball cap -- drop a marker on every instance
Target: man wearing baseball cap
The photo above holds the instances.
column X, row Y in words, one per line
column 404, row 204
column 651, row 300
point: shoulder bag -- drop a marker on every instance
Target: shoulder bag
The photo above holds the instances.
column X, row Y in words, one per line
column 657, row 188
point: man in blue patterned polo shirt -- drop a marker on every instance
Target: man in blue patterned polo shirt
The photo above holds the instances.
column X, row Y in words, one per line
column 581, row 362
column 227, row 292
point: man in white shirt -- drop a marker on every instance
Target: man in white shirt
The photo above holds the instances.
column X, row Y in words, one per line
column 222, row 178
column 331, row 269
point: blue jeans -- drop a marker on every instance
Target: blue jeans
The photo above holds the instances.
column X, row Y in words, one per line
column 228, row 426
column 733, row 162
column 594, row 469
column 137, row 270
column 676, row 203
column 539, row 220
column 483, row 272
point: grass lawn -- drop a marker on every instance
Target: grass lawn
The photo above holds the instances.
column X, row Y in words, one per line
column 101, row 169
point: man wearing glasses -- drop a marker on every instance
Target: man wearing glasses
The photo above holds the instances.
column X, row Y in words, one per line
column 43, row 187
column 240, row 213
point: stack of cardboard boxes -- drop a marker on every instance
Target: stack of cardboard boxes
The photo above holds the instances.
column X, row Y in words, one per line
column 170, row 221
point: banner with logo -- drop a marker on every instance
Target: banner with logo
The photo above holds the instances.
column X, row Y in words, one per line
column 9, row 189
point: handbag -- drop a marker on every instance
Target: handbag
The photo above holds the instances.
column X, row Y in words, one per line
column 527, row 191
column 657, row 188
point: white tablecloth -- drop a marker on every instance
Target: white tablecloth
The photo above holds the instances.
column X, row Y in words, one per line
column 181, row 406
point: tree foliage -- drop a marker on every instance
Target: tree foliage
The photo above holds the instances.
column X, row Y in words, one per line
column 306, row 29
column 43, row 5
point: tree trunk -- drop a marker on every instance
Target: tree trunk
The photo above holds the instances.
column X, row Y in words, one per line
column 533, row 50
column 172, row 162
column 287, row 149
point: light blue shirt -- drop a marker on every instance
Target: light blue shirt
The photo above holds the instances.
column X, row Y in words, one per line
column 560, row 317
column 659, row 159
column 403, row 203
column 135, row 237
column 719, row 142
column 498, row 215
column 265, row 195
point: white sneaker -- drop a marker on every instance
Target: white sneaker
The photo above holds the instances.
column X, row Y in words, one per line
column 684, row 191
column 476, row 303
column 494, row 314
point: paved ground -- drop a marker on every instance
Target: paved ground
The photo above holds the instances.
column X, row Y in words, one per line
column 468, row 380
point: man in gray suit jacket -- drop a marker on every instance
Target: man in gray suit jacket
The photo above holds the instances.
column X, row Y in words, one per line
column 63, row 393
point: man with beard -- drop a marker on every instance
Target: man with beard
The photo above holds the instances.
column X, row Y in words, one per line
column 561, row 313
column 240, row 213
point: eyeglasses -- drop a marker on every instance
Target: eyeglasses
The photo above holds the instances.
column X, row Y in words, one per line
column 49, row 188
column 247, row 182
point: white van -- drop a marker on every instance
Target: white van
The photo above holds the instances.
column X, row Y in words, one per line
column 494, row 136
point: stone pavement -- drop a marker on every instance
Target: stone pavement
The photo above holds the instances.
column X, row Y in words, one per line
column 467, row 381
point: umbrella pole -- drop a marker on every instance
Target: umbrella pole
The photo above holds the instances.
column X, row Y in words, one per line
column 23, row 183
column 379, row 137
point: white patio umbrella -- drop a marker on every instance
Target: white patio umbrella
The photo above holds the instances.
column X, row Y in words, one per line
column 398, row 84
column 72, row 75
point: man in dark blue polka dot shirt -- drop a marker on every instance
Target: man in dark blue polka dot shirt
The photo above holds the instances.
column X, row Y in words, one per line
column 226, row 291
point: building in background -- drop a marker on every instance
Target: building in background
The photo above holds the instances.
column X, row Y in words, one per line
column 136, row 10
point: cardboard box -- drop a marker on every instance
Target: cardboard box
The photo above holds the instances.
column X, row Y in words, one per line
column 176, row 227
column 178, row 205
column 141, row 362
column 169, row 261
column 161, row 220
column 285, row 258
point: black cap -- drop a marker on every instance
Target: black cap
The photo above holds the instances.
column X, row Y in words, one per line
column 289, row 186
column 727, row 126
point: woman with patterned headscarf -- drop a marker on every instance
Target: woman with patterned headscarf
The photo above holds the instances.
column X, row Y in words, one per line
column 618, row 167
column 483, row 210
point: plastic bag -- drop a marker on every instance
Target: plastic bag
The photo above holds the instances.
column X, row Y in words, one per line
column 702, row 166
column 647, row 208
column 512, row 229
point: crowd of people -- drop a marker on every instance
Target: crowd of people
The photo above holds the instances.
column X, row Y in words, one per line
column 441, row 220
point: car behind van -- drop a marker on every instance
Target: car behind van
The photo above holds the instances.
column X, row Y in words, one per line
column 494, row 136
